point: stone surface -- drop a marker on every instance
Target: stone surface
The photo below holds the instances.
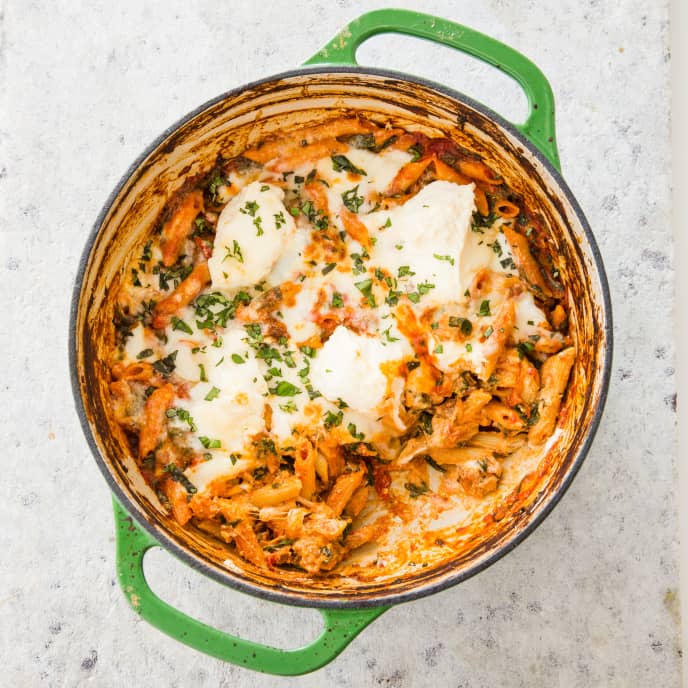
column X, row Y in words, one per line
column 589, row 600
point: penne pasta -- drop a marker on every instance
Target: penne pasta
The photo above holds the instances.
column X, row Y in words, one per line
column 153, row 422
column 343, row 489
column 188, row 290
column 524, row 259
column 506, row 209
column 305, row 154
column 178, row 227
column 554, row 374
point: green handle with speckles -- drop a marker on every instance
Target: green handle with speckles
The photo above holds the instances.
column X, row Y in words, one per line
column 539, row 125
column 341, row 625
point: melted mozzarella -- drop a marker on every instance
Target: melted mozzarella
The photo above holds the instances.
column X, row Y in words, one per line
column 236, row 407
column 426, row 235
column 252, row 232
column 290, row 264
column 486, row 249
column 529, row 317
column 348, row 367
column 380, row 170
column 220, row 466
column 137, row 342
column 299, row 317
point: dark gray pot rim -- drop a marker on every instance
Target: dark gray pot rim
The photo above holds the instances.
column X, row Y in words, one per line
column 295, row 598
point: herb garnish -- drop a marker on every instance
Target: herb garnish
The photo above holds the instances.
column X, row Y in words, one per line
column 464, row 324
column 449, row 259
column 178, row 476
column 341, row 162
column 416, row 490
column 434, row 463
column 366, row 288
column 165, row 366
column 178, row 324
column 234, row 252
column 285, row 389
column 212, row 394
column 352, row 200
column 332, row 420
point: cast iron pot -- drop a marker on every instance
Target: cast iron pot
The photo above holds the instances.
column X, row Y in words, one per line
column 525, row 155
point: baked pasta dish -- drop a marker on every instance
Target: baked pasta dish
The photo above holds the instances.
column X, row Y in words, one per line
column 345, row 332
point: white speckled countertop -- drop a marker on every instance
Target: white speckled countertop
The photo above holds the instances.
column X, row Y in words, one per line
column 590, row 599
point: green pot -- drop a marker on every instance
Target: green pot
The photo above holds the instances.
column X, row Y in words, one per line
column 525, row 155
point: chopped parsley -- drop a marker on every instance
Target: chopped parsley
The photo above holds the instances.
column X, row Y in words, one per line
column 416, row 490
column 208, row 443
column 288, row 406
column 430, row 461
column 214, row 310
column 175, row 274
column 449, row 259
column 147, row 252
column 279, row 219
column 215, row 182
column 479, row 223
column 416, row 152
column 496, row 247
column 250, row 208
column 144, row 354
column 351, row 427
column 366, row 288
column 488, row 332
column 389, row 337
column 254, row 331
column 484, row 308
column 328, row 268
column 165, row 366
column 341, row 162
column 178, row 324
column 183, row 415
column 332, row 420
column 212, row 394
column 405, row 271
column 392, row 298
column 257, row 223
column 362, row 141
column 358, row 267
column 238, row 359
column 352, row 200
column 202, row 376
column 337, row 301
column 464, row 324
column 178, row 476
column 234, row 252
column 285, row 389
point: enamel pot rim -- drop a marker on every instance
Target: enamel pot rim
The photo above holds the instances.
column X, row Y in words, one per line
column 291, row 597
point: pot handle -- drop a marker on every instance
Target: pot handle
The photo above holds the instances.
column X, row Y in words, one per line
column 538, row 127
column 341, row 625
